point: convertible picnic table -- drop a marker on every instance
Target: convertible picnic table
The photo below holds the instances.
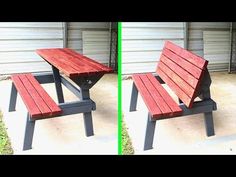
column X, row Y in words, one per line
column 81, row 70
column 68, row 68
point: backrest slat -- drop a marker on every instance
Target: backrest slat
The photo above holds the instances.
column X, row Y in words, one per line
column 182, row 71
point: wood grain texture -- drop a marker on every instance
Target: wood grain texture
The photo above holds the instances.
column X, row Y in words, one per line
column 198, row 61
column 159, row 103
column 38, row 103
column 72, row 63
column 182, row 71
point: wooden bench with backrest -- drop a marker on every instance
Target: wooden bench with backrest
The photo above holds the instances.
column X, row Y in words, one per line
column 187, row 76
column 37, row 101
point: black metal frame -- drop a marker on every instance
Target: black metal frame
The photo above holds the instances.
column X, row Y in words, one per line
column 85, row 105
column 205, row 106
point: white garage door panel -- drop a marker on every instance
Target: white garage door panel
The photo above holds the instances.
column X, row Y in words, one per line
column 75, row 44
column 212, row 25
column 22, row 67
column 31, row 24
column 26, row 45
column 132, row 57
column 151, row 33
column 19, row 40
column 142, row 43
column 217, row 48
column 75, row 34
column 130, row 68
column 195, row 45
column 96, row 45
column 153, row 24
column 195, row 34
column 16, row 57
column 146, row 45
column 31, row 33
column 87, row 25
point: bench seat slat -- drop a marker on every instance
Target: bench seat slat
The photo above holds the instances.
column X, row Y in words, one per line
column 39, row 102
column 36, row 99
column 160, row 102
column 55, row 110
column 27, row 99
column 150, row 103
column 156, row 97
column 168, row 99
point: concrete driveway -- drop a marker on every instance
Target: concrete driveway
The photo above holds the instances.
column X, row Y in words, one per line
column 186, row 135
column 66, row 135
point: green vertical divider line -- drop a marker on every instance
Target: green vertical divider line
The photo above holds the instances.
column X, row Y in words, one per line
column 119, row 89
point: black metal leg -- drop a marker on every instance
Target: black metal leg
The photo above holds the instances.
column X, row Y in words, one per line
column 57, row 80
column 12, row 104
column 209, row 124
column 134, row 97
column 29, row 132
column 88, row 123
column 150, row 130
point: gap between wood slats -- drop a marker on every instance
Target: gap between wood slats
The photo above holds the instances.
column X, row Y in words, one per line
column 90, row 61
column 189, row 67
column 181, row 72
column 194, row 59
column 178, row 91
column 39, row 102
column 32, row 108
column 83, row 66
column 150, row 103
column 36, row 89
column 187, row 89
column 44, row 95
column 157, row 98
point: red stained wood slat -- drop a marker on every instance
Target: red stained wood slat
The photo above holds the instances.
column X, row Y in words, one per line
column 72, row 63
column 55, row 110
column 89, row 61
column 150, row 103
column 178, row 91
column 189, row 56
column 166, row 111
column 168, row 99
column 66, row 69
column 178, row 80
column 180, row 71
column 25, row 95
column 78, row 63
column 65, row 59
column 42, row 106
column 192, row 69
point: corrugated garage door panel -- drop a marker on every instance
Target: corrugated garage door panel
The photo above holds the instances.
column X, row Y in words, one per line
column 19, row 40
column 18, row 43
column 217, row 48
column 75, row 32
column 196, row 40
column 142, row 43
column 96, row 45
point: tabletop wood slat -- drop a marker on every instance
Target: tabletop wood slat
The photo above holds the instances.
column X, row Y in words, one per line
column 72, row 63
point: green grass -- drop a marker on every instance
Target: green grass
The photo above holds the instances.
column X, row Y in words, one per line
column 5, row 145
column 127, row 148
